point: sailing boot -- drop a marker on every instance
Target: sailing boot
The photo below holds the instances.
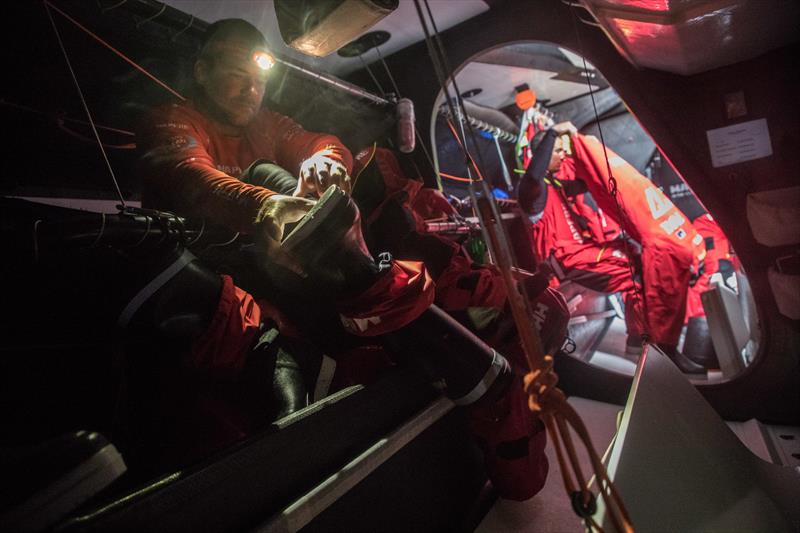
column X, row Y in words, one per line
column 372, row 297
column 633, row 347
column 330, row 247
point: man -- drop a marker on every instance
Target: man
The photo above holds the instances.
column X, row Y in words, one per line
column 210, row 157
column 192, row 159
column 565, row 238
column 671, row 248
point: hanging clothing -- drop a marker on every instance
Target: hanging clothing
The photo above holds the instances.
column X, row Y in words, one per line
column 719, row 257
column 601, row 227
column 671, row 248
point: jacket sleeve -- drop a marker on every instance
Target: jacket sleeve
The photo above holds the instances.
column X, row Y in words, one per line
column 293, row 144
column 179, row 174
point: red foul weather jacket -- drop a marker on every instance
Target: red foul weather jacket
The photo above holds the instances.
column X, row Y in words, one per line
column 671, row 247
column 645, row 212
column 718, row 248
column 188, row 166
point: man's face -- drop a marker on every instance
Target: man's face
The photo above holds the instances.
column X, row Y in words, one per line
column 235, row 83
column 558, row 156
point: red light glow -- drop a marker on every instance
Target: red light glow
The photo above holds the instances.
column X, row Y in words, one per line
column 647, row 5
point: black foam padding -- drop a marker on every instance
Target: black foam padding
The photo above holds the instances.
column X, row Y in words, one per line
column 244, row 486
column 432, row 484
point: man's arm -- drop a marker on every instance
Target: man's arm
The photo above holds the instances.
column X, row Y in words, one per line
column 531, row 185
column 179, row 174
column 319, row 160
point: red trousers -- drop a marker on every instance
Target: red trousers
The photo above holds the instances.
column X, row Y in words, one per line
column 603, row 268
column 573, row 255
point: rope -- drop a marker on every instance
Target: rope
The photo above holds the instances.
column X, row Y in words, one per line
column 612, row 188
column 61, row 117
column 152, row 17
column 372, row 75
column 448, row 74
column 397, row 93
column 175, row 37
column 63, row 127
column 544, row 398
column 549, row 401
column 388, row 72
column 120, row 54
column 464, row 149
column 83, row 101
column 455, row 178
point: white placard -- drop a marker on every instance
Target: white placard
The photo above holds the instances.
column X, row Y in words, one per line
column 740, row 142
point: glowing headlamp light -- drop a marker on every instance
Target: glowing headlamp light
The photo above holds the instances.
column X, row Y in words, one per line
column 264, row 60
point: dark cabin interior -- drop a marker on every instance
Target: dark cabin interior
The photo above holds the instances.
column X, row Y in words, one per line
column 58, row 371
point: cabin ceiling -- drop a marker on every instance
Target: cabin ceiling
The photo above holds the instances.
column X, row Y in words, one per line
column 691, row 36
column 679, row 36
column 403, row 25
column 553, row 73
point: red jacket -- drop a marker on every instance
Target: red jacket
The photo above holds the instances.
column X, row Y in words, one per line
column 188, row 166
column 557, row 231
column 646, row 212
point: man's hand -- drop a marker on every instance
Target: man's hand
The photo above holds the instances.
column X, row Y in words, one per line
column 319, row 172
column 567, row 128
column 277, row 211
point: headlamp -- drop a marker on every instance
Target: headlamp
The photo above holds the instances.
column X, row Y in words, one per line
column 263, row 59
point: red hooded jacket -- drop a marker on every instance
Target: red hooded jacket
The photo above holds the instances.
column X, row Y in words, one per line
column 190, row 167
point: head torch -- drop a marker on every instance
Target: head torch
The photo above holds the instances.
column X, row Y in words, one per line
column 263, row 59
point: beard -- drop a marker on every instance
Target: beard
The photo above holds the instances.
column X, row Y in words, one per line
column 237, row 113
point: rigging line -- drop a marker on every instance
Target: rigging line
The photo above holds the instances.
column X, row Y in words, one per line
column 388, row 72
column 115, row 6
column 120, row 54
column 432, row 53
column 454, row 178
column 506, row 175
column 437, row 67
column 372, row 75
column 85, row 106
column 468, row 161
column 540, row 382
column 463, row 149
column 424, row 149
column 450, row 74
column 63, row 118
column 442, row 83
column 66, row 129
column 612, row 184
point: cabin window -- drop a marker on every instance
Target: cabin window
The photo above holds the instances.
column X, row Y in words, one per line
column 718, row 330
